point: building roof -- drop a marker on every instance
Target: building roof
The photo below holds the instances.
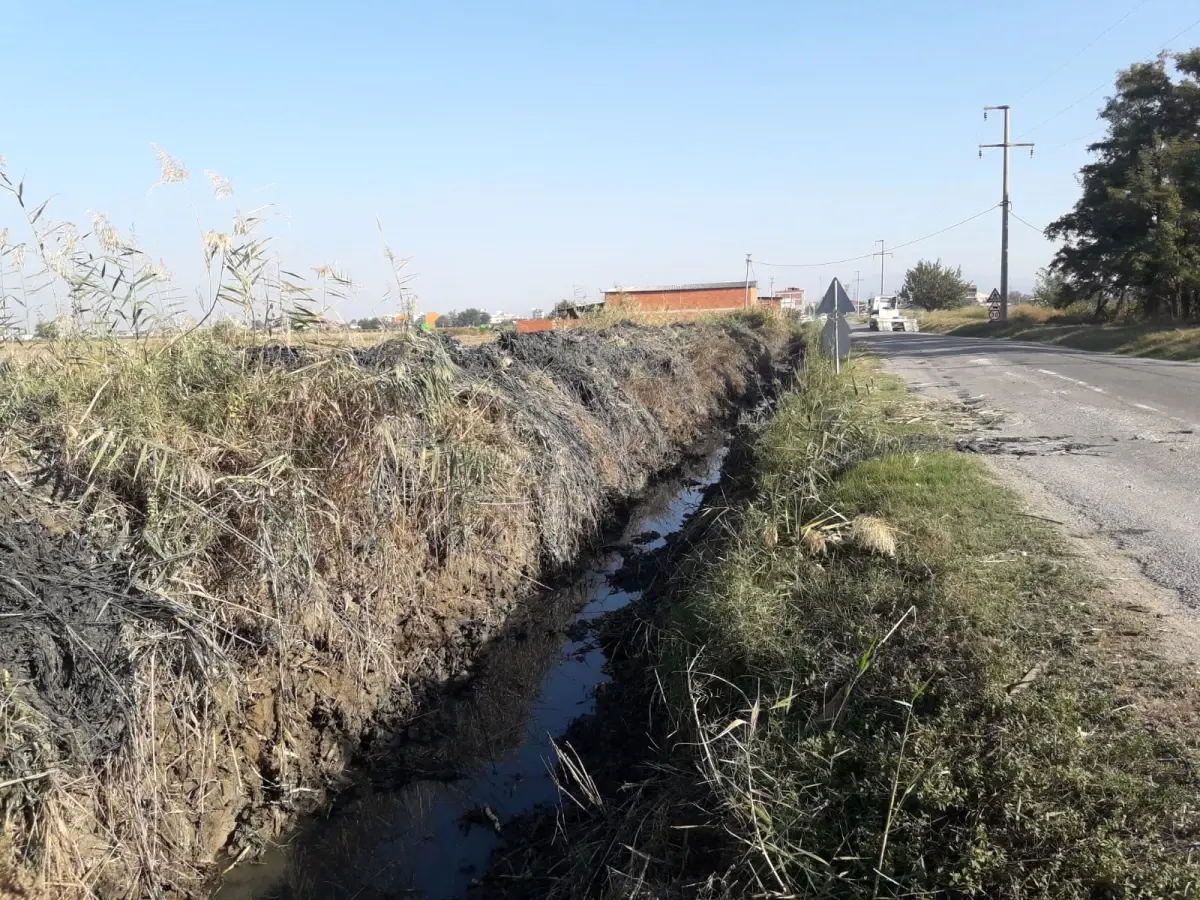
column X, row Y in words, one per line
column 710, row 286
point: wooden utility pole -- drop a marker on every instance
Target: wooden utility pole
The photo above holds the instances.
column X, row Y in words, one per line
column 1006, row 202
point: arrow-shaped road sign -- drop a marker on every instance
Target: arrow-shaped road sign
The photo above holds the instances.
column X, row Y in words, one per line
column 836, row 300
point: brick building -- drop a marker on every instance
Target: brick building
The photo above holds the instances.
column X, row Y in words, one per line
column 721, row 296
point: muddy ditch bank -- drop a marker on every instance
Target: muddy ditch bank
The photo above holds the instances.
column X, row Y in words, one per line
column 615, row 746
column 276, row 601
column 429, row 807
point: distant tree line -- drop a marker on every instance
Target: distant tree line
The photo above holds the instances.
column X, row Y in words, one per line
column 934, row 285
column 468, row 318
column 1132, row 243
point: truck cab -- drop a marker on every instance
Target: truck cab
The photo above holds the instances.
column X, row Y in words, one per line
column 886, row 315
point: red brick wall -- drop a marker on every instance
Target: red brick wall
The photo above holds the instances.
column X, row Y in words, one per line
column 525, row 325
column 673, row 301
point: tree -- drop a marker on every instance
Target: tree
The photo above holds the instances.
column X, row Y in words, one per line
column 1015, row 298
column 471, row 317
column 1049, row 289
column 468, row 318
column 1132, row 240
column 371, row 324
column 47, row 331
column 931, row 285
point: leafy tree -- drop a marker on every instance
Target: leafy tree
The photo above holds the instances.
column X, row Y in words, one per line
column 1049, row 288
column 47, row 331
column 931, row 285
column 1133, row 239
column 468, row 318
column 1018, row 297
column 371, row 324
column 471, row 317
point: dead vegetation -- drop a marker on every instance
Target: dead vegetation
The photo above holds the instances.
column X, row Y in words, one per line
column 221, row 560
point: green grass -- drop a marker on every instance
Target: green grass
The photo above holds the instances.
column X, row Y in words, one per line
column 844, row 722
column 1153, row 340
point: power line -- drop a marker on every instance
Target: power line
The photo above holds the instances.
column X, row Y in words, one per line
column 1178, row 36
column 822, row 265
column 1096, row 90
column 1040, row 231
column 838, row 262
column 1091, row 134
column 944, row 230
column 1086, row 48
column 1066, row 109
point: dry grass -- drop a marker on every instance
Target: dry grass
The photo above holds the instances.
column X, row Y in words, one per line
column 307, row 527
column 1044, row 325
column 325, row 524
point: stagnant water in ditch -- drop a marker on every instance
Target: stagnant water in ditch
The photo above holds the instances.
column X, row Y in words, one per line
column 484, row 757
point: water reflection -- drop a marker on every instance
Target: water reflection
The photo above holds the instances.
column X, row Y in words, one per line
column 431, row 836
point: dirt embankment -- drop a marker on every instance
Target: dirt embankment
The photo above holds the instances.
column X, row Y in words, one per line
column 207, row 625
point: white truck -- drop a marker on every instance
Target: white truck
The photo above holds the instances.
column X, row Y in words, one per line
column 886, row 315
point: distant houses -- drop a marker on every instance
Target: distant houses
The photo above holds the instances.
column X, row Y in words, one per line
column 972, row 295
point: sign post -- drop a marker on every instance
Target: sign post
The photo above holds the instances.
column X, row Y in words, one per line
column 994, row 306
column 835, row 336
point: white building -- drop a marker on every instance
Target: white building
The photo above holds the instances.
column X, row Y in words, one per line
column 972, row 294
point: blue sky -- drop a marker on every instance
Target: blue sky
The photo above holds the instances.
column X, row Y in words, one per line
column 517, row 149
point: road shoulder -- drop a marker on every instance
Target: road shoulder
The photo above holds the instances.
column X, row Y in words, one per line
column 1148, row 606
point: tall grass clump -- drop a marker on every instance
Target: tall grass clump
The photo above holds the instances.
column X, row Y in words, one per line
column 879, row 678
column 234, row 556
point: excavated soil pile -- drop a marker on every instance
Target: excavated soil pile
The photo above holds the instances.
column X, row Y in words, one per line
column 267, row 584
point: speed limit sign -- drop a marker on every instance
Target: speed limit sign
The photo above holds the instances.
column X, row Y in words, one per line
column 994, row 306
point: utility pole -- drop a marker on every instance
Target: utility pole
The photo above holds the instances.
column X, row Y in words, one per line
column 746, row 302
column 882, row 254
column 857, row 282
column 772, row 285
column 1006, row 203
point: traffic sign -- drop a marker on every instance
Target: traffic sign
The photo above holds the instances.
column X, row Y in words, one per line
column 994, row 303
column 835, row 300
column 835, row 337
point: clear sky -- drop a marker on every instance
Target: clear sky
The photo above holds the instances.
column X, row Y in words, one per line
column 517, row 149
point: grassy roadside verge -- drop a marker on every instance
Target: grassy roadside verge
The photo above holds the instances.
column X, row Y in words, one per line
column 1031, row 323
column 879, row 678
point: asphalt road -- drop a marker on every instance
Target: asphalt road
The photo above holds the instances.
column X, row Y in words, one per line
column 1116, row 438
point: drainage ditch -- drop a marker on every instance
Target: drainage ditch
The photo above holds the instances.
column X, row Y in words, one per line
column 427, row 814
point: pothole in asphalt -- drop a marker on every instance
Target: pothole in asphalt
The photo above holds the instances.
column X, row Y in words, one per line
column 1020, row 445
